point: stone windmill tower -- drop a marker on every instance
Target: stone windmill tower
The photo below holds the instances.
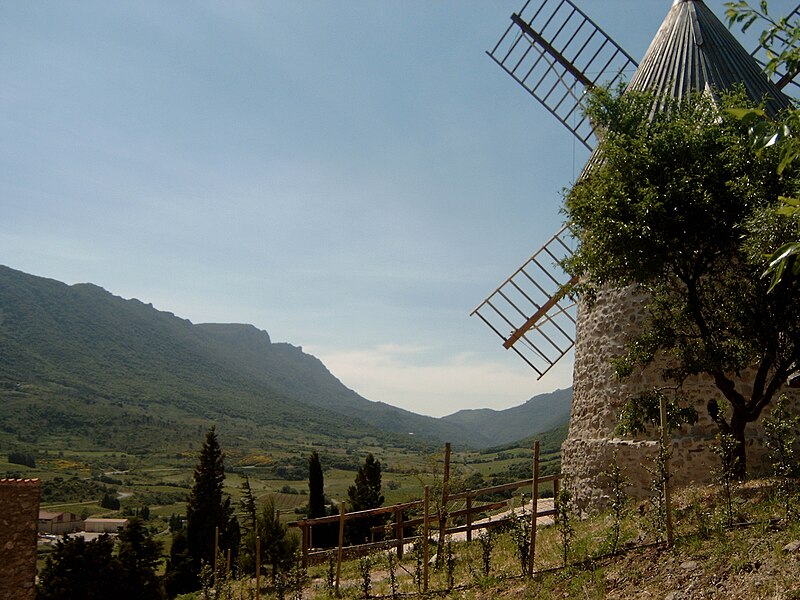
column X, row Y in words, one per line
column 549, row 49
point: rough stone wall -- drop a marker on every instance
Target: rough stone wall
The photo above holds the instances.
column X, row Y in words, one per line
column 598, row 398
column 19, row 514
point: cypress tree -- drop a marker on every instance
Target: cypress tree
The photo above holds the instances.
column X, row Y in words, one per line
column 247, row 503
column 316, row 487
column 208, row 508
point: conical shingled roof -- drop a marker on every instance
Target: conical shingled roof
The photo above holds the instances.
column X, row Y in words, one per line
column 693, row 51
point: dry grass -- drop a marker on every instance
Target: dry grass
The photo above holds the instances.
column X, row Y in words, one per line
column 708, row 559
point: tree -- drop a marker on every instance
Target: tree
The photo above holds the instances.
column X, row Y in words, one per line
column 782, row 38
column 80, row 570
column 110, row 502
column 316, row 487
column 180, row 576
column 277, row 548
column 247, row 503
column 324, row 536
column 208, row 508
column 667, row 208
column 365, row 494
column 138, row 556
column 22, row 458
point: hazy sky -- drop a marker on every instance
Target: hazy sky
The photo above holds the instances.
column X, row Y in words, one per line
column 353, row 177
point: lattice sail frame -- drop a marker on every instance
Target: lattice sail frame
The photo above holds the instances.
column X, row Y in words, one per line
column 529, row 310
column 556, row 52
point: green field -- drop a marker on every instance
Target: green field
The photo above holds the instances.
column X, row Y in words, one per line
column 76, row 480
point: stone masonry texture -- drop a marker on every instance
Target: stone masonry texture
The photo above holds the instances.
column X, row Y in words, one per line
column 19, row 514
column 598, row 398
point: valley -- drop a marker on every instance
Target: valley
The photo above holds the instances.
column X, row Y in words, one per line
column 110, row 398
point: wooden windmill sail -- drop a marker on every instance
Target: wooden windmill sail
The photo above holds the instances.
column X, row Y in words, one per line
column 557, row 53
column 782, row 79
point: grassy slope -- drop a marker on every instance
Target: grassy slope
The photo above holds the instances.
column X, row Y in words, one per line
column 708, row 560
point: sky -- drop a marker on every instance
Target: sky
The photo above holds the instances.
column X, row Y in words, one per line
column 353, row 177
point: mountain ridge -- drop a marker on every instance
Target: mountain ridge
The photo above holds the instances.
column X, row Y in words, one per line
column 78, row 348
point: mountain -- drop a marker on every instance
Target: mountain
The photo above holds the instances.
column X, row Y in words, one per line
column 539, row 414
column 83, row 366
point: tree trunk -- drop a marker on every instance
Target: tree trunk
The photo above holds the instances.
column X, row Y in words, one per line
column 737, row 427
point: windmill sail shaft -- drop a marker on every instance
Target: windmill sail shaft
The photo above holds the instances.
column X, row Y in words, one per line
column 532, row 305
column 556, row 53
column 551, row 50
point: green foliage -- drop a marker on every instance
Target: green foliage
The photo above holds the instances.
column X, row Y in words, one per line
column 780, row 429
column 519, row 526
column 566, row 532
column 618, row 500
column 208, row 509
column 139, row 556
column 247, row 504
column 781, row 38
column 418, row 554
column 486, row 540
column 81, row 570
column 181, row 576
column 658, row 467
column 316, row 487
column 292, row 580
column 391, row 563
column 110, row 502
column 22, row 458
column 365, row 570
column 72, row 489
column 364, row 494
column 725, row 449
column 641, row 414
column 175, row 523
column 330, row 574
column 277, row 546
column 665, row 209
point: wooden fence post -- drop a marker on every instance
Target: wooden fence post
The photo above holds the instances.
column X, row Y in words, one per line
column 469, row 518
column 398, row 519
column 665, row 446
column 305, row 529
column 216, row 553
column 425, row 535
column 534, row 506
column 258, row 567
column 443, row 505
column 341, row 546
column 556, row 486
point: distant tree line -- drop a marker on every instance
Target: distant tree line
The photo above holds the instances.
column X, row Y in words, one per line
column 22, row 458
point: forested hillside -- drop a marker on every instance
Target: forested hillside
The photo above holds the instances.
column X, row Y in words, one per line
column 82, row 364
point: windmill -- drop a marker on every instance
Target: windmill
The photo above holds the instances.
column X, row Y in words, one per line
column 557, row 53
